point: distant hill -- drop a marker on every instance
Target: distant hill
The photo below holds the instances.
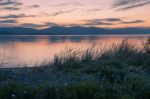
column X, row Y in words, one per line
column 17, row 31
column 76, row 30
column 133, row 31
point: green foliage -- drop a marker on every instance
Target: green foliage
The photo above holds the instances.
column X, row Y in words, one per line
column 83, row 90
column 16, row 91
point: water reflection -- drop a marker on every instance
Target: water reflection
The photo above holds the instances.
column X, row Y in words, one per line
column 52, row 39
column 20, row 50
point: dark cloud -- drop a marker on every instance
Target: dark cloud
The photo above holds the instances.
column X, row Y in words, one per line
column 104, row 21
column 49, row 24
column 61, row 12
column 9, row 5
column 33, row 6
column 130, row 4
column 132, row 22
column 94, row 10
column 109, row 21
column 10, row 8
column 31, row 25
column 44, row 25
column 13, row 16
column 73, row 24
column 124, row 2
column 69, row 3
column 95, row 22
column 7, row 21
column 134, row 6
column 9, row 2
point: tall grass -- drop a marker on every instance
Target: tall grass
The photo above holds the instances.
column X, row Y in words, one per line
column 121, row 71
column 147, row 46
column 125, row 53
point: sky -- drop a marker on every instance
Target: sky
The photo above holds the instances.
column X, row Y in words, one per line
column 88, row 13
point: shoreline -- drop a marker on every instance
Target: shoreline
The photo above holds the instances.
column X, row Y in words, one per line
column 122, row 72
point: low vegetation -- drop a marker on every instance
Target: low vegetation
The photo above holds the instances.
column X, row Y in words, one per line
column 121, row 71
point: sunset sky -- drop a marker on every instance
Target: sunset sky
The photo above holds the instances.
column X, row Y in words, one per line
column 97, row 13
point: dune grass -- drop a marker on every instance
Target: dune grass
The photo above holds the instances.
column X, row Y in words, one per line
column 121, row 71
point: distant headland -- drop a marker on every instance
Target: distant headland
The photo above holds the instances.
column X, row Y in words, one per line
column 75, row 30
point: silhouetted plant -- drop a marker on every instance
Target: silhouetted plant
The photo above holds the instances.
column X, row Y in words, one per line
column 147, row 46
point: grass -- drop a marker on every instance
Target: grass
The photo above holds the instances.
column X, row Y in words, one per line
column 80, row 90
column 121, row 71
column 124, row 54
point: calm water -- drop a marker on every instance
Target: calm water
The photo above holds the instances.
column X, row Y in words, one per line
column 31, row 50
